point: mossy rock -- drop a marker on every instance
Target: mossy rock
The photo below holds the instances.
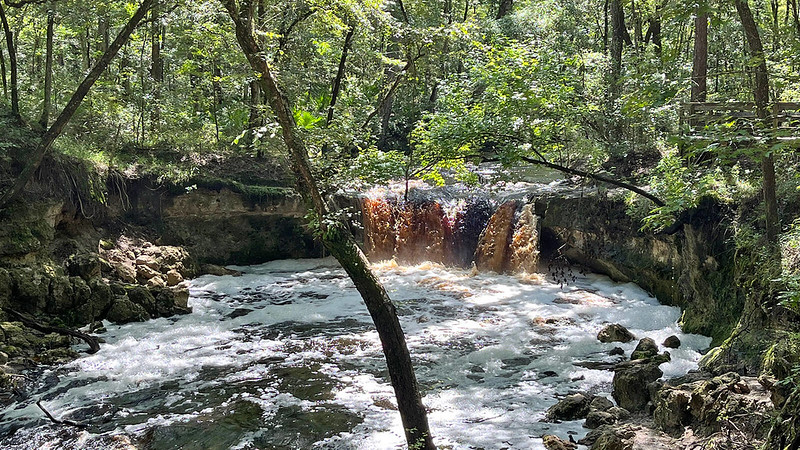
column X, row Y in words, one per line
column 22, row 341
column 27, row 228
column 86, row 266
column 56, row 356
column 6, row 285
column 140, row 295
column 101, row 296
column 782, row 356
column 11, row 350
column 62, row 295
column 123, row 310
column 646, row 348
column 31, row 289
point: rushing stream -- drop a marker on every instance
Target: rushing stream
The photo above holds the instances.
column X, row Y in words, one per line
column 285, row 356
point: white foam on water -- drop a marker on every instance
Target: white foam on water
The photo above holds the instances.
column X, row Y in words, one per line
column 491, row 352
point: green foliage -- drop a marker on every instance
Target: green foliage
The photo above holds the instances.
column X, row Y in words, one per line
column 330, row 227
column 373, row 166
column 790, row 268
column 680, row 188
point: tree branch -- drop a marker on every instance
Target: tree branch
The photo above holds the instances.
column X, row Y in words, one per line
column 57, row 421
column 584, row 174
column 392, row 89
column 284, row 37
column 30, row 322
column 596, row 177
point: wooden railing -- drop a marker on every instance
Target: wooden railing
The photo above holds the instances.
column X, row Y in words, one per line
column 701, row 116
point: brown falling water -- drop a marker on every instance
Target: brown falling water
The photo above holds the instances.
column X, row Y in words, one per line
column 379, row 228
column 421, row 233
column 493, row 248
column 525, row 242
column 505, row 240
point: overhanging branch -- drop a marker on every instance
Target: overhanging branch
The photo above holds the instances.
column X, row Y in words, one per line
column 596, row 177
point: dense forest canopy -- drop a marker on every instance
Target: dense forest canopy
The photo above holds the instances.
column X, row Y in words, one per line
column 403, row 87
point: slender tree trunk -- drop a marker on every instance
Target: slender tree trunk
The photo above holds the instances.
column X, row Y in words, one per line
column 654, row 29
column 637, row 24
column 87, row 57
column 337, row 82
column 341, row 245
column 102, row 32
column 505, row 8
column 216, row 87
column 617, row 39
column 157, row 63
column 776, row 31
column 605, row 26
column 385, row 112
column 254, row 120
column 35, row 58
column 12, row 58
column 761, row 97
column 61, row 121
column 700, row 59
column 3, row 70
column 796, row 18
column 48, row 70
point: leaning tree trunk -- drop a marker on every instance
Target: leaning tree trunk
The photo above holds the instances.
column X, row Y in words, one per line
column 761, row 97
column 61, row 121
column 342, row 246
column 337, row 82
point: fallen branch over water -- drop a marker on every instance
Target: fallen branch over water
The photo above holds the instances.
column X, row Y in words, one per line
column 57, row 421
column 596, row 177
column 30, row 322
column 589, row 175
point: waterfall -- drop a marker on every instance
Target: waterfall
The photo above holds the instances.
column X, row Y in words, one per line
column 454, row 232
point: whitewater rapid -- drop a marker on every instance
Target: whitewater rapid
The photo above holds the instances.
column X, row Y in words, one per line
column 285, row 356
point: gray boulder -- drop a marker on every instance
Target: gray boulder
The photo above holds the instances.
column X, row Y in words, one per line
column 646, row 348
column 571, row 407
column 615, row 333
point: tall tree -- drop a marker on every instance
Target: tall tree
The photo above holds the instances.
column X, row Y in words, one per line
column 48, row 70
column 761, row 97
column 337, row 82
column 700, row 58
column 3, row 70
column 504, row 9
column 339, row 242
column 75, row 101
column 156, row 60
column 12, row 58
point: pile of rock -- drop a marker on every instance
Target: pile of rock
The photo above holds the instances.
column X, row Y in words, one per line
column 122, row 284
column 600, row 413
column 706, row 405
column 138, row 261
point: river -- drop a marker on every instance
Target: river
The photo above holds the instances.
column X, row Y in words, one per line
column 286, row 357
